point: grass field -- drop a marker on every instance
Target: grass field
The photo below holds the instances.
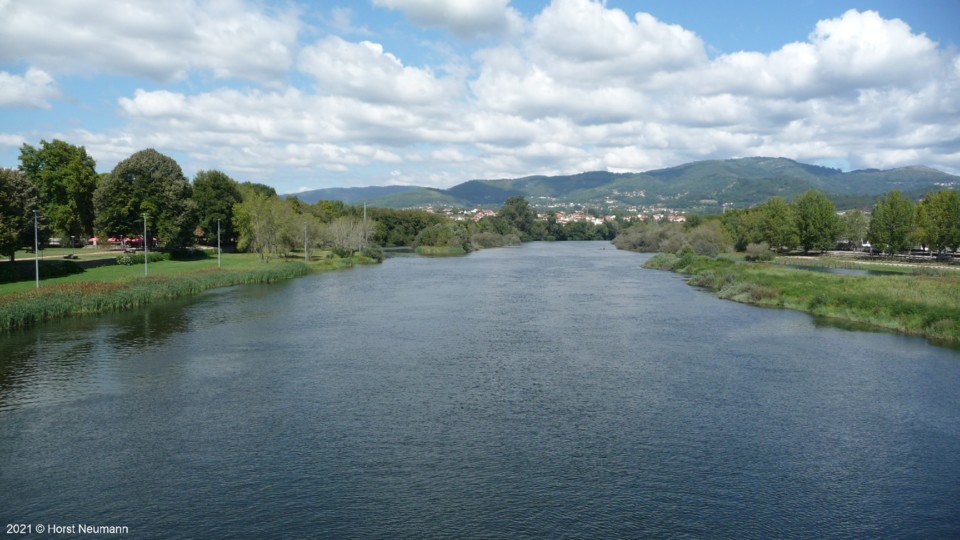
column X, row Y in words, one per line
column 120, row 287
column 915, row 303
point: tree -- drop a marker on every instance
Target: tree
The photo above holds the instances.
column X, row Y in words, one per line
column 215, row 194
column 892, row 222
column 817, row 222
column 777, row 223
column 151, row 183
column 938, row 220
column 854, row 226
column 66, row 179
column 18, row 200
column 517, row 212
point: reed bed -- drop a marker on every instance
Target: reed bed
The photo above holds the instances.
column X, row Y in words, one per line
column 27, row 308
column 924, row 305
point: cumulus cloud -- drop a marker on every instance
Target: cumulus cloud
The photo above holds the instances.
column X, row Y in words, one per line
column 159, row 40
column 466, row 19
column 365, row 71
column 583, row 87
column 33, row 89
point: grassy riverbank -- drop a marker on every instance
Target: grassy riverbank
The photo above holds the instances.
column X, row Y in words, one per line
column 120, row 287
column 923, row 305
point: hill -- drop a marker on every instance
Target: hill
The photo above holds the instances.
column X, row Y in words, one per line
column 702, row 186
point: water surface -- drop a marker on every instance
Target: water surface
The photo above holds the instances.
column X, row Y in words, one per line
column 552, row 390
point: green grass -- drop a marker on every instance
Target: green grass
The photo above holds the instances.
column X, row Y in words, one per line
column 921, row 305
column 120, row 287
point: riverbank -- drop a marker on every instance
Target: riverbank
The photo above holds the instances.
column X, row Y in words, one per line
column 119, row 287
column 921, row 305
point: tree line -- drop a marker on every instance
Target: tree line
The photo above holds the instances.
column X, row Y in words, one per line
column 810, row 222
column 59, row 181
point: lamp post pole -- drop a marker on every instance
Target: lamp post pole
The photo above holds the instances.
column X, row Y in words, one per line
column 146, row 258
column 36, row 248
column 305, row 242
column 218, row 243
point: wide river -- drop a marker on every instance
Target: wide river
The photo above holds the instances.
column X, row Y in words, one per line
column 548, row 391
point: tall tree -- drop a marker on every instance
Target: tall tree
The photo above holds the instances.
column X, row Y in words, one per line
column 777, row 223
column 854, row 225
column 938, row 220
column 891, row 224
column 215, row 194
column 18, row 200
column 150, row 183
column 66, row 178
column 517, row 212
column 817, row 222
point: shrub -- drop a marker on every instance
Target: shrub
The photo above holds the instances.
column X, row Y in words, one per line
column 759, row 252
column 373, row 251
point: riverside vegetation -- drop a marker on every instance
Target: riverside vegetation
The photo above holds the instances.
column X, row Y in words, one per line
column 922, row 300
column 123, row 287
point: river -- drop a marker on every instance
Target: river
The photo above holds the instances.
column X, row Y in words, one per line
column 551, row 390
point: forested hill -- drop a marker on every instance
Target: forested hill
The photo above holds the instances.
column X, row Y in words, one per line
column 702, row 186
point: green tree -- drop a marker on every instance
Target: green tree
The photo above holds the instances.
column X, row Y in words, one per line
column 777, row 223
column 854, row 226
column 18, row 200
column 151, row 183
column 817, row 223
column 892, row 222
column 215, row 195
column 66, row 179
column 938, row 220
column 517, row 212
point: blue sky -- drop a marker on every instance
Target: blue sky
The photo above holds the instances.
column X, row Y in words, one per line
column 306, row 95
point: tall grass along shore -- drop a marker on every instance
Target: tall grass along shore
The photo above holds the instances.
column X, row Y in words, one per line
column 914, row 304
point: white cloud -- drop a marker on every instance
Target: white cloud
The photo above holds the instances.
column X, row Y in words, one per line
column 466, row 19
column 33, row 89
column 363, row 70
column 11, row 139
column 585, row 87
column 159, row 40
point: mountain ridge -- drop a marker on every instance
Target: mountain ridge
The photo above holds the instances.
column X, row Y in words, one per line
column 708, row 185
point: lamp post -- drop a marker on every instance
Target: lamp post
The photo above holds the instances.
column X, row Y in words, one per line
column 146, row 258
column 218, row 242
column 305, row 242
column 36, row 248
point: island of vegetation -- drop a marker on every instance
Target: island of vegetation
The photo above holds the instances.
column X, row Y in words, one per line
column 752, row 256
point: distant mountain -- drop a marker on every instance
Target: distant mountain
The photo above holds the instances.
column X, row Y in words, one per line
column 698, row 186
column 350, row 195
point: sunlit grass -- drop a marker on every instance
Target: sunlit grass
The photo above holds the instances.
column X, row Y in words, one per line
column 912, row 304
column 120, row 287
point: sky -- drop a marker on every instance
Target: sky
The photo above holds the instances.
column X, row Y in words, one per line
column 305, row 95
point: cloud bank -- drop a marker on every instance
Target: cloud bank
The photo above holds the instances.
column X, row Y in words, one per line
column 578, row 86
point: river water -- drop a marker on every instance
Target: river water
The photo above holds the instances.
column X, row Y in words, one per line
column 547, row 391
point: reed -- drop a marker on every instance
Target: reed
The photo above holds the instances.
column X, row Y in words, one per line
column 27, row 308
column 924, row 305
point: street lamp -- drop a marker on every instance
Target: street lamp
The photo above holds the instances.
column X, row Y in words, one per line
column 36, row 247
column 146, row 258
column 218, row 242
column 305, row 242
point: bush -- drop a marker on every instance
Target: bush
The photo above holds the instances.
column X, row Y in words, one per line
column 130, row 259
column 373, row 251
column 759, row 252
column 186, row 254
column 342, row 252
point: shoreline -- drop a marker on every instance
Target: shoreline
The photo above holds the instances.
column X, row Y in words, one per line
column 908, row 304
column 28, row 308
